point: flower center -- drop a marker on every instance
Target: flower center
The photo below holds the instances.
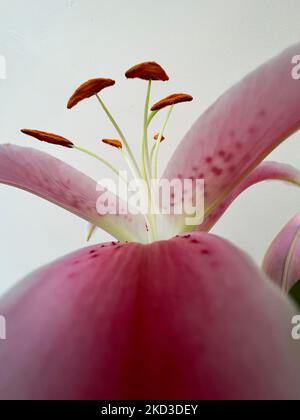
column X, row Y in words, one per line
column 145, row 168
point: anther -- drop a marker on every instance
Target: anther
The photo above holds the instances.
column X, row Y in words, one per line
column 88, row 89
column 48, row 137
column 157, row 135
column 149, row 70
column 113, row 142
column 173, row 99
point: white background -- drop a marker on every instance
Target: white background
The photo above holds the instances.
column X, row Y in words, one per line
column 205, row 45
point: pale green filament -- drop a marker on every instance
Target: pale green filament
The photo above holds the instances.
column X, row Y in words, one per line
column 158, row 141
column 151, row 229
column 132, row 168
column 146, row 166
column 151, row 116
column 114, row 123
column 148, row 160
column 92, row 227
column 91, row 230
column 152, row 153
column 144, row 145
column 101, row 159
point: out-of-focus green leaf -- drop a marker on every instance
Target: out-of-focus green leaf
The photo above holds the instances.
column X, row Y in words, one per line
column 295, row 292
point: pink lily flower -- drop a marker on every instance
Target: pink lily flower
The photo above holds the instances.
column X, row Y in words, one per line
column 184, row 317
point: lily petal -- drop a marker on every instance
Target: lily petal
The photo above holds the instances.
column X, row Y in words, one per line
column 52, row 179
column 103, row 323
column 282, row 260
column 266, row 171
column 240, row 129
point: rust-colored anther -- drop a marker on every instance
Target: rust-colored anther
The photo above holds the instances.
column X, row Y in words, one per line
column 113, row 142
column 147, row 71
column 88, row 89
column 48, row 137
column 156, row 136
column 175, row 98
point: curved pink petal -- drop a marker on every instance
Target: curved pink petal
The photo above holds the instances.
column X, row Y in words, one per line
column 52, row 179
column 266, row 171
column 188, row 318
column 282, row 260
column 240, row 129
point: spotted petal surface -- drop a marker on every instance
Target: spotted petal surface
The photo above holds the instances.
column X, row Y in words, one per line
column 239, row 130
column 188, row 318
column 266, row 171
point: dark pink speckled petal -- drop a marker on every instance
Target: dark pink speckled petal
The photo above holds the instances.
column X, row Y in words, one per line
column 54, row 180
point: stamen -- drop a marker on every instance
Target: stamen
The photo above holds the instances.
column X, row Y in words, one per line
column 149, row 70
column 101, row 159
column 129, row 164
column 88, row 89
column 150, row 117
column 62, row 141
column 130, row 159
column 156, row 137
column 113, row 142
column 118, row 145
column 114, row 123
column 173, row 99
column 48, row 137
column 146, row 166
